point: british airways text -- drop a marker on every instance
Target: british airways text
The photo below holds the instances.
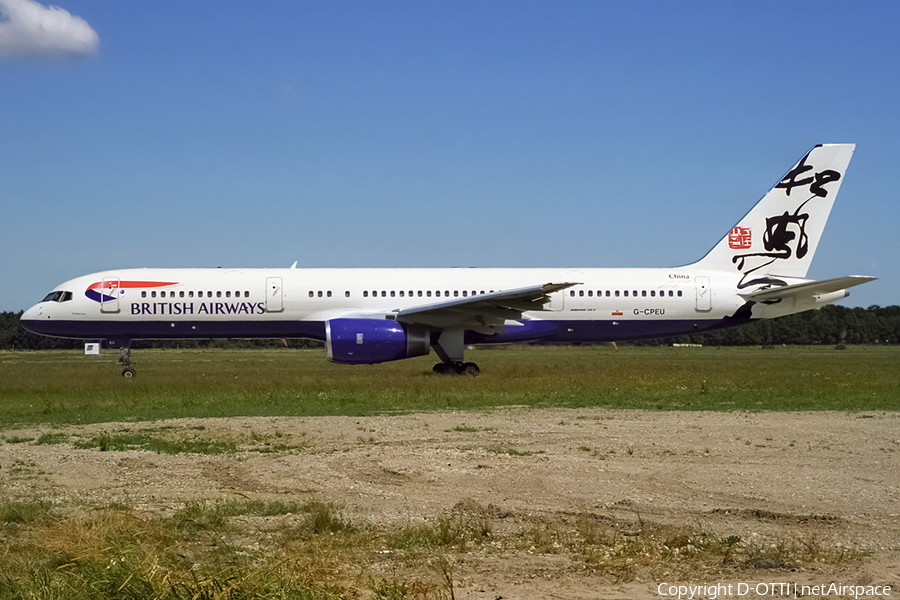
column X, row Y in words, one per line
column 201, row 308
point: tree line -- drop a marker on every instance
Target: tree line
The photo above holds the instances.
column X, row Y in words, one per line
column 831, row 325
column 13, row 337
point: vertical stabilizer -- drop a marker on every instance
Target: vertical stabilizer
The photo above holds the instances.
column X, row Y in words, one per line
column 779, row 235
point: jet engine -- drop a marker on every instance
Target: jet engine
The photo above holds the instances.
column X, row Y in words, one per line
column 368, row 341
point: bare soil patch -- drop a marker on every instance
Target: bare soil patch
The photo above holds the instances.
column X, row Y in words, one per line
column 826, row 479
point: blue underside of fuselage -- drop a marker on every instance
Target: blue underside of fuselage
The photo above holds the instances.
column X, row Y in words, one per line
column 564, row 332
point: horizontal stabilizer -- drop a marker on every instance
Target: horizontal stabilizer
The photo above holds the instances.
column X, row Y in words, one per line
column 807, row 289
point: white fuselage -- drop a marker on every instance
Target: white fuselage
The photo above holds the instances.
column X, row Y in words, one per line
column 607, row 304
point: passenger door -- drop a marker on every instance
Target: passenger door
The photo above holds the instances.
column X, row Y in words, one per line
column 274, row 294
column 109, row 295
column 704, row 294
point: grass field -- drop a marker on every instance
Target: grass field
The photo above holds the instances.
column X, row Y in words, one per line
column 303, row 547
column 61, row 387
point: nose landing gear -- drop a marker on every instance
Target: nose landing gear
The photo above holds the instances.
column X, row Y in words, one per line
column 128, row 371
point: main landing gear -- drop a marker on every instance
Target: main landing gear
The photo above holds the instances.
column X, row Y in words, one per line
column 457, row 368
column 450, row 347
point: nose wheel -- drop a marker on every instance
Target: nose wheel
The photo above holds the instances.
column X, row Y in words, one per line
column 125, row 360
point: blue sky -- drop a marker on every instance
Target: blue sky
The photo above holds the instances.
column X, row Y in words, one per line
column 435, row 134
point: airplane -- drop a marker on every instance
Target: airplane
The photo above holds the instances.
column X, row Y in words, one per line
column 366, row 316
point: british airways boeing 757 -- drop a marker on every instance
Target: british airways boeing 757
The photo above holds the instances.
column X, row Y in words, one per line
column 364, row 316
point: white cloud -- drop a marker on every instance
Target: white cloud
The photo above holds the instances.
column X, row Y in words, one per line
column 31, row 29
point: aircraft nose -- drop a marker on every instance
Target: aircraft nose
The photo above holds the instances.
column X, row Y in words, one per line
column 29, row 316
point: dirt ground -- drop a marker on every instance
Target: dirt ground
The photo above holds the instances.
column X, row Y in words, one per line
column 832, row 477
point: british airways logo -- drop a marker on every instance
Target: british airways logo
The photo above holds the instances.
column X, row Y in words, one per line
column 109, row 289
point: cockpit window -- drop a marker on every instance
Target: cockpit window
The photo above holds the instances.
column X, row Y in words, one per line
column 57, row 297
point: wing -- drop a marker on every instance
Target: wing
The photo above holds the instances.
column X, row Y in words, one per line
column 807, row 289
column 486, row 313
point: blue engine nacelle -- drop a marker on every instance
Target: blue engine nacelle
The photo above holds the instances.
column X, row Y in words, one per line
column 368, row 341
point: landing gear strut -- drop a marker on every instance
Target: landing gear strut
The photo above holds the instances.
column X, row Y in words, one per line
column 125, row 360
column 450, row 347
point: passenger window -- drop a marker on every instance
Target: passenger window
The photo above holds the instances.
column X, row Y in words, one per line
column 679, row 293
column 143, row 294
column 181, row 294
column 319, row 293
column 438, row 293
column 590, row 293
column 365, row 293
column 465, row 294
column 393, row 294
column 153, row 294
column 347, row 294
column 617, row 293
column 228, row 294
column 626, row 293
column 419, row 294
column 581, row 293
column 456, row 293
column 218, row 294
column 446, row 293
column 312, row 294
column 644, row 293
column 246, row 294
column 328, row 293
column 428, row 293
column 401, row 293
column 383, row 294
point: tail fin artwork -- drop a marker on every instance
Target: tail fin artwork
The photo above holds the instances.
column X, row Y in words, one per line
column 778, row 237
